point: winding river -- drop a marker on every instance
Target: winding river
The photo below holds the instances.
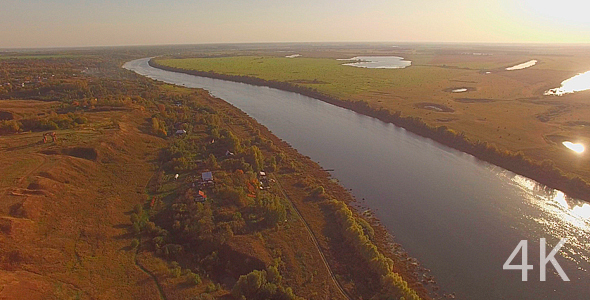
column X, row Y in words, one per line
column 460, row 217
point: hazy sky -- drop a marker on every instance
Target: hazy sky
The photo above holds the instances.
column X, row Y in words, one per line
column 52, row 23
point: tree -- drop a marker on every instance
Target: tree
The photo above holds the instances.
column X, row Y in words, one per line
column 249, row 284
column 212, row 162
column 255, row 158
column 232, row 142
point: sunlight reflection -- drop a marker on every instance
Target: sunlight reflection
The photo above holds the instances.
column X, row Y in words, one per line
column 523, row 65
column 582, row 211
column 578, row 148
column 561, row 217
column 580, row 82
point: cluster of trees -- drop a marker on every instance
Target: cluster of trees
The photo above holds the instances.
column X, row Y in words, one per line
column 52, row 122
column 263, row 285
column 271, row 208
column 234, row 206
column 159, row 127
column 392, row 283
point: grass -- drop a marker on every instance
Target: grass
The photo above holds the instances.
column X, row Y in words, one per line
column 70, row 228
column 326, row 75
column 514, row 115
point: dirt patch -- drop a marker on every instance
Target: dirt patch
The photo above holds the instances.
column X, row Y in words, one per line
column 5, row 225
column 577, row 123
column 80, row 152
column 30, row 209
column 245, row 253
column 4, row 115
column 15, row 226
column 444, row 120
column 474, row 100
column 556, row 138
column 35, row 186
column 434, row 107
column 552, row 113
column 50, row 152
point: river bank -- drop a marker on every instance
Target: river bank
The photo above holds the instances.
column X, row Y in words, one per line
column 543, row 172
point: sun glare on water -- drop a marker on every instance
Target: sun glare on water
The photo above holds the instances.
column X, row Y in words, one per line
column 578, row 148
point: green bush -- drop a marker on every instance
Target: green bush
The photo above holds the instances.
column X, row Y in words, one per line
column 193, row 278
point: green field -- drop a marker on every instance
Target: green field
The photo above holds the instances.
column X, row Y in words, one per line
column 326, row 75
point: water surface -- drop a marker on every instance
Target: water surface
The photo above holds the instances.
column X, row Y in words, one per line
column 576, row 147
column 525, row 65
column 378, row 62
column 580, row 82
column 459, row 216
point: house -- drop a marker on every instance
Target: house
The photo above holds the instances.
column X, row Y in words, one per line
column 207, row 179
column 207, row 176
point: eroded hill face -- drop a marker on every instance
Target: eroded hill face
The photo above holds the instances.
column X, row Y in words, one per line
column 64, row 210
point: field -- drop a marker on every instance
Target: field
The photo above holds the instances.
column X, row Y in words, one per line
column 63, row 210
column 505, row 108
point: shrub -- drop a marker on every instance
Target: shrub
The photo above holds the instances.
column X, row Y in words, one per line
column 193, row 278
column 257, row 285
column 318, row 191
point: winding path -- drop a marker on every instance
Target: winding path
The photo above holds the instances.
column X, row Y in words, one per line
column 142, row 268
column 315, row 241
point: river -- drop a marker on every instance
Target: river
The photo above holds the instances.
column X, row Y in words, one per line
column 460, row 217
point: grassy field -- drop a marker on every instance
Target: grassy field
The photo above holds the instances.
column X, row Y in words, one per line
column 63, row 216
column 506, row 108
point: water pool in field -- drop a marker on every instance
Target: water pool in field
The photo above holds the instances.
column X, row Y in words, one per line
column 378, row 62
column 578, row 83
column 524, row 65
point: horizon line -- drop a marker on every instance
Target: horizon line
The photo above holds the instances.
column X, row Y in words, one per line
column 47, row 48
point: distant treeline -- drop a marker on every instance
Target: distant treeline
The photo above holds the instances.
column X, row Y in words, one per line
column 544, row 172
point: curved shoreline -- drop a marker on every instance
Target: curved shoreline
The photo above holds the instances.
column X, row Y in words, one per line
column 543, row 172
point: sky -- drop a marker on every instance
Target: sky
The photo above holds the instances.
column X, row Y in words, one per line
column 73, row 23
